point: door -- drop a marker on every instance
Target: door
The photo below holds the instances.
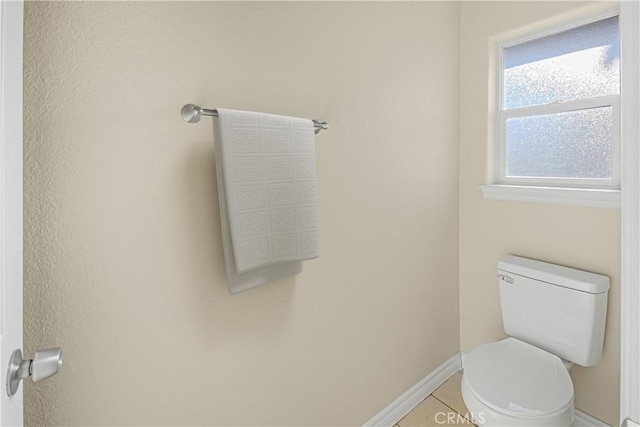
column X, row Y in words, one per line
column 11, row 19
column 14, row 367
column 630, row 298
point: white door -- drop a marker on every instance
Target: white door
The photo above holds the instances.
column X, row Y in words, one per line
column 11, row 18
column 630, row 333
column 45, row 363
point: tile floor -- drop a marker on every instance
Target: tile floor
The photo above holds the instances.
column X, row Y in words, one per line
column 443, row 407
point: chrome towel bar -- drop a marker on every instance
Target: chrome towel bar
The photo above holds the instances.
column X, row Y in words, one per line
column 192, row 114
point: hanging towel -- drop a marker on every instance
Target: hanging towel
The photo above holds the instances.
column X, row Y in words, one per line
column 267, row 187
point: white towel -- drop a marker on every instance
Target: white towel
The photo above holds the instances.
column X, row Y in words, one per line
column 267, row 187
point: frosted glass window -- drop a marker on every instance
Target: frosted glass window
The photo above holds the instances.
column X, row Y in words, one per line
column 575, row 144
column 580, row 63
column 558, row 108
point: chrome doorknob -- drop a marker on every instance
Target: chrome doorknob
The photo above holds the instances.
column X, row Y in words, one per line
column 44, row 364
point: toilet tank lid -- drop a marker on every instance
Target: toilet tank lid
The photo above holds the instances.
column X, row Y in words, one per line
column 554, row 274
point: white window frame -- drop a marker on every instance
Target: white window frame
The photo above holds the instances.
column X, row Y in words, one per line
column 585, row 192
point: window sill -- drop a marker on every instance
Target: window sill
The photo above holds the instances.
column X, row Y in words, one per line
column 555, row 195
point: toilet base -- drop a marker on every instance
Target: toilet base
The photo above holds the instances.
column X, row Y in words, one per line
column 485, row 416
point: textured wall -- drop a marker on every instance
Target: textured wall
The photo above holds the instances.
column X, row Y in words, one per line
column 123, row 256
column 587, row 238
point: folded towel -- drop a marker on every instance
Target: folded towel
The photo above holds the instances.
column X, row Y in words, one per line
column 267, row 187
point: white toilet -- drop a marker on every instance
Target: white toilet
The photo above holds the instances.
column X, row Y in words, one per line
column 555, row 316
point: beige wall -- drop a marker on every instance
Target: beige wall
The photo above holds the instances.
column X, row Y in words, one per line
column 587, row 238
column 123, row 256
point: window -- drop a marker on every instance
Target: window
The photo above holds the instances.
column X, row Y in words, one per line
column 557, row 111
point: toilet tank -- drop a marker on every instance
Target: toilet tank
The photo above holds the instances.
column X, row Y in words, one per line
column 559, row 309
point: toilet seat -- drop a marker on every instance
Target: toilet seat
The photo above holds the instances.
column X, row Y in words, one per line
column 518, row 380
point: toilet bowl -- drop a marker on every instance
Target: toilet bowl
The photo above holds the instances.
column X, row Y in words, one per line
column 512, row 383
column 551, row 313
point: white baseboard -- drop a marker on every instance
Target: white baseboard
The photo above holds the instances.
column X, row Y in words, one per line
column 416, row 394
column 585, row 420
